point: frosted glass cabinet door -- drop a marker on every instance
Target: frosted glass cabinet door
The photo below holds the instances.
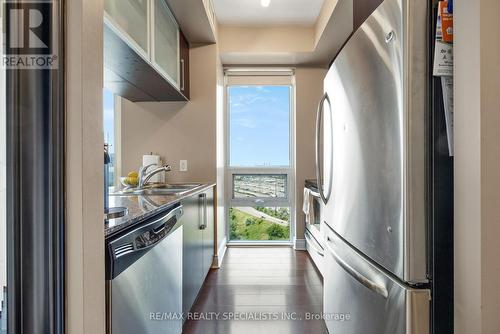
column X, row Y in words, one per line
column 166, row 42
column 131, row 17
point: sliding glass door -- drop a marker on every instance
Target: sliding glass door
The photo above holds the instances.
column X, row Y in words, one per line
column 260, row 159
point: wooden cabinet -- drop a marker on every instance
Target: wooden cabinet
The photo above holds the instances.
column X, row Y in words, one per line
column 142, row 51
column 198, row 244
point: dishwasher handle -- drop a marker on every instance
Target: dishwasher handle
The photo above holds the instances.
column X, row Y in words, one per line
column 125, row 250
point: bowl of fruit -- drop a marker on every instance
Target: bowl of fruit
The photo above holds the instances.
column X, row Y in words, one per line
column 131, row 180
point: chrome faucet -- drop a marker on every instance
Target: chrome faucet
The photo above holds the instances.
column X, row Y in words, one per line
column 144, row 176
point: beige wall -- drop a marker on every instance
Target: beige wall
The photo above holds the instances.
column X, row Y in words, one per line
column 221, row 160
column 323, row 18
column 85, row 302
column 177, row 130
column 309, row 89
column 305, row 46
column 266, row 39
column 477, row 162
column 490, row 161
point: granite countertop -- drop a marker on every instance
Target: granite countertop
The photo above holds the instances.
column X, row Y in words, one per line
column 141, row 207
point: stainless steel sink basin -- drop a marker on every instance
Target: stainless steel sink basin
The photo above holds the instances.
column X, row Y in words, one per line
column 177, row 189
column 173, row 186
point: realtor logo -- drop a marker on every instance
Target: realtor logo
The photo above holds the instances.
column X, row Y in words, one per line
column 28, row 35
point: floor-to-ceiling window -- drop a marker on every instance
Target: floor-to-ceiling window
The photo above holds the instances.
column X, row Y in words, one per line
column 260, row 109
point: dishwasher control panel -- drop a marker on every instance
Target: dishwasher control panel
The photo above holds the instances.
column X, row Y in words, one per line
column 152, row 236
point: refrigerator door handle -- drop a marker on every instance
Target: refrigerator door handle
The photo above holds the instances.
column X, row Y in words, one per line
column 378, row 288
column 319, row 172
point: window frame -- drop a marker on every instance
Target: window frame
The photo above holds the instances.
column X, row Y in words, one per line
column 117, row 170
column 266, row 77
column 259, row 201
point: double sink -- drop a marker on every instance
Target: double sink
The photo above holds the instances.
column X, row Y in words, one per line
column 175, row 189
column 151, row 189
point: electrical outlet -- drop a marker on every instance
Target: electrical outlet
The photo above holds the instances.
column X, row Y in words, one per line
column 183, row 166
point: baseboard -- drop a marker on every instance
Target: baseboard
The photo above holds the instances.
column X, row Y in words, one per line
column 299, row 244
column 219, row 257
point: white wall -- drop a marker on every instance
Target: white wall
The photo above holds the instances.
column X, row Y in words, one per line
column 477, row 166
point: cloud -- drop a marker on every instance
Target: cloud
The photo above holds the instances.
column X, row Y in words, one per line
column 245, row 123
column 262, row 89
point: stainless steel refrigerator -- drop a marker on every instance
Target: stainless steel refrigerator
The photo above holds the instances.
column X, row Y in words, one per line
column 384, row 178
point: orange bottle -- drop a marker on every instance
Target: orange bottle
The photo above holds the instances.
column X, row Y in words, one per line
column 446, row 22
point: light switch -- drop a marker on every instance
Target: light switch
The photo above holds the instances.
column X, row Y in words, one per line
column 183, row 166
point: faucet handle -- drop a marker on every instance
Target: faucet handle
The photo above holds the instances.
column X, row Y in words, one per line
column 144, row 169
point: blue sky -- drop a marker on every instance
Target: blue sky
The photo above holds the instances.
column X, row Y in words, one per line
column 108, row 106
column 259, row 125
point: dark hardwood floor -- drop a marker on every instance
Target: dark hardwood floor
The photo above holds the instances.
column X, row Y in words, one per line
column 268, row 284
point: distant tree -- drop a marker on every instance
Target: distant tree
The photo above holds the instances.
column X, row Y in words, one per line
column 276, row 232
column 233, row 234
column 249, row 221
column 284, row 214
column 281, row 213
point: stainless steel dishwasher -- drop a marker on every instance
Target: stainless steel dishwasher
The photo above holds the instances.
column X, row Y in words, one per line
column 144, row 277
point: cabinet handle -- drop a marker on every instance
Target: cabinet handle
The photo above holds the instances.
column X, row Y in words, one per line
column 205, row 216
column 182, row 74
column 203, row 209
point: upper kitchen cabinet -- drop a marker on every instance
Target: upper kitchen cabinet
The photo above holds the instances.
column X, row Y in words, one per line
column 166, row 54
column 130, row 20
column 142, row 51
column 184, row 66
column 196, row 19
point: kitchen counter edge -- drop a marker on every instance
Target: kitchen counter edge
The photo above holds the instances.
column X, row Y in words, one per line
column 136, row 215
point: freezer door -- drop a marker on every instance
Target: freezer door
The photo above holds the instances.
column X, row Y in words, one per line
column 359, row 298
column 377, row 97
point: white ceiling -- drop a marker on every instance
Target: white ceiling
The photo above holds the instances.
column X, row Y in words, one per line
column 280, row 12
